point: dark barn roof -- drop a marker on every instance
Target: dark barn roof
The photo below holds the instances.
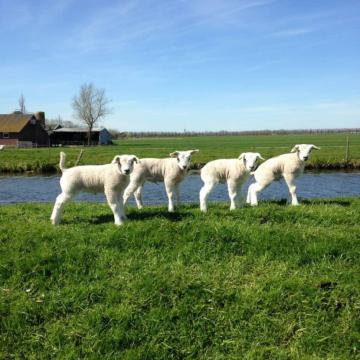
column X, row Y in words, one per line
column 73, row 136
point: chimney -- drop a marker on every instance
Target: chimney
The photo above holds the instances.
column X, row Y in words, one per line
column 40, row 117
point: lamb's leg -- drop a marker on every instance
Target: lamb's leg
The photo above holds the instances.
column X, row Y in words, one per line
column 204, row 194
column 116, row 206
column 60, row 202
column 254, row 189
column 119, row 197
column 131, row 188
column 121, row 209
column 177, row 192
column 138, row 197
column 289, row 179
column 169, row 187
column 248, row 197
column 232, row 189
column 240, row 198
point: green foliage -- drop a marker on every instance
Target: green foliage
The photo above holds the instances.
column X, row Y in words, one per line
column 331, row 155
column 272, row 282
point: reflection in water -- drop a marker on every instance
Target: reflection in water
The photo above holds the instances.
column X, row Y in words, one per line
column 18, row 189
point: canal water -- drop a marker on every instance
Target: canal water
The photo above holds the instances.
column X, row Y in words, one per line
column 24, row 189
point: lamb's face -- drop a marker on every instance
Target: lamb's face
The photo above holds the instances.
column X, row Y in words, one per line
column 125, row 163
column 183, row 158
column 250, row 160
column 304, row 150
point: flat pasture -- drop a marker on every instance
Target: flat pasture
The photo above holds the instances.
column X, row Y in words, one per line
column 272, row 282
column 331, row 156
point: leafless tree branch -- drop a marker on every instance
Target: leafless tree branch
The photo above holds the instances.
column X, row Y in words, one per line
column 22, row 104
column 90, row 106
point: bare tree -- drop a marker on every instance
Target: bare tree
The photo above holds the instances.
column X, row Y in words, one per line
column 22, row 104
column 116, row 134
column 51, row 124
column 69, row 124
column 90, row 106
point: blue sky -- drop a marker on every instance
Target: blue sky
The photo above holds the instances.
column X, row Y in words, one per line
column 187, row 64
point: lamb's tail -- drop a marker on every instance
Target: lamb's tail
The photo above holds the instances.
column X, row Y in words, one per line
column 62, row 161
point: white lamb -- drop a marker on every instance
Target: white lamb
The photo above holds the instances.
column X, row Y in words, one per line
column 171, row 171
column 289, row 166
column 233, row 171
column 111, row 179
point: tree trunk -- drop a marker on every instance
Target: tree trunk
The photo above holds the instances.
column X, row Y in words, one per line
column 89, row 136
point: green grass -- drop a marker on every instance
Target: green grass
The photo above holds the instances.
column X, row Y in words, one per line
column 331, row 155
column 272, row 282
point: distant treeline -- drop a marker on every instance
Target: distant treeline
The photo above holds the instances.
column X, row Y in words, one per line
column 141, row 134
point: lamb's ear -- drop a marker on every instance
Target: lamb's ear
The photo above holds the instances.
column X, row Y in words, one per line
column 315, row 147
column 295, row 148
column 259, row 156
column 116, row 160
column 136, row 159
column 242, row 155
column 174, row 154
column 194, row 151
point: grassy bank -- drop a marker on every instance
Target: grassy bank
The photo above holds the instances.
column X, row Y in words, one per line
column 273, row 282
column 331, row 156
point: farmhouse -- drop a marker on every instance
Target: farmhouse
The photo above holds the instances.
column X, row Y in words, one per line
column 23, row 130
column 79, row 136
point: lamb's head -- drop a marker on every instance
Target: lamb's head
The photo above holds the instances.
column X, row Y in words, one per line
column 303, row 150
column 249, row 160
column 183, row 158
column 125, row 163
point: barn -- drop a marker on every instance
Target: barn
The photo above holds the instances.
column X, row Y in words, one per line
column 23, row 130
column 79, row 136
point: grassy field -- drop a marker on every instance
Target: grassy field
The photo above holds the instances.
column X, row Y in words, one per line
column 331, row 155
column 273, row 282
